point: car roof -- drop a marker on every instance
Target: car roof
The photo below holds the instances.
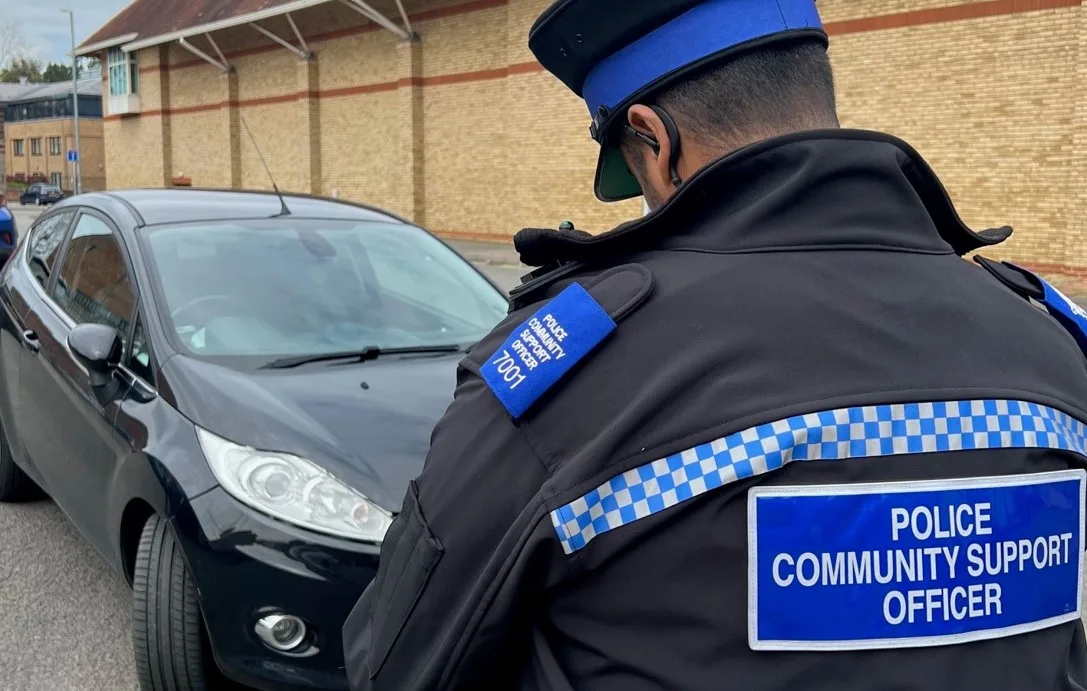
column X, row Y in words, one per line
column 190, row 205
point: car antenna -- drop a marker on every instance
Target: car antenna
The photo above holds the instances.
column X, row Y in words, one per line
column 283, row 210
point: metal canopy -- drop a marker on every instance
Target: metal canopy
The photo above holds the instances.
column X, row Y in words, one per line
column 376, row 17
column 298, row 46
column 221, row 63
column 303, row 52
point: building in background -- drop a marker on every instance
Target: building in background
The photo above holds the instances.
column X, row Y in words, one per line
column 441, row 114
column 38, row 133
column 8, row 92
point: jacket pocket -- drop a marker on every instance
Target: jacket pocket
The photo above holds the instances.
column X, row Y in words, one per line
column 401, row 578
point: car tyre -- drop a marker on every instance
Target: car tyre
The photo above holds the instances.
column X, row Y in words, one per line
column 15, row 485
column 167, row 628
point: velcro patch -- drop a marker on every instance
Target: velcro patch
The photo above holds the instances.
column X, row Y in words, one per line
column 543, row 349
column 913, row 564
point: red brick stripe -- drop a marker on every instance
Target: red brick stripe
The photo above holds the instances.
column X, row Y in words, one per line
column 526, row 68
column 478, row 76
column 439, row 80
column 940, row 15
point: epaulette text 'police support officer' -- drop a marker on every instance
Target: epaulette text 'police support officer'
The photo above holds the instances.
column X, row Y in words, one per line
column 561, row 333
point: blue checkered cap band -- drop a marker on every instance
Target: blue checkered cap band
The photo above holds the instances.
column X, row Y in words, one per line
column 832, row 435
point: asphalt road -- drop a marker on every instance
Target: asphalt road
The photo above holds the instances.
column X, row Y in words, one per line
column 64, row 615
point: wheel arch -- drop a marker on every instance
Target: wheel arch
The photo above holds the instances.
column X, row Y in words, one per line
column 133, row 519
column 141, row 487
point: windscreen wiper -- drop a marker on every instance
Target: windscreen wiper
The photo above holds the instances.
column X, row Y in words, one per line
column 367, row 353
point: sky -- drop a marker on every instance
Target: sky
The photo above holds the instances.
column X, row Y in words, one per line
column 46, row 28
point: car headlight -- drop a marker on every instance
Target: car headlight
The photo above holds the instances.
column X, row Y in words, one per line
column 293, row 489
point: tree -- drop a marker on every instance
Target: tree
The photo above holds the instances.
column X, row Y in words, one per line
column 60, row 72
column 89, row 67
column 56, row 72
column 22, row 67
column 12, row 41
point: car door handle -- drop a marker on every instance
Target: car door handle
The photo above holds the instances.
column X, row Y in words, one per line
column 30, row 340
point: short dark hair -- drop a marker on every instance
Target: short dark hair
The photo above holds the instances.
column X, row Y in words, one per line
column 777, row 88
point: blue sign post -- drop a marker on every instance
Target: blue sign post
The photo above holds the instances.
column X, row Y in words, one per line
column 913, row 564
column 73, row 155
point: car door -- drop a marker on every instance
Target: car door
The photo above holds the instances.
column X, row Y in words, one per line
column 67, row 431
column 24, row 281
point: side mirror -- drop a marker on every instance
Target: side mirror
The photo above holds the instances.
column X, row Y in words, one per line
column 98, row 348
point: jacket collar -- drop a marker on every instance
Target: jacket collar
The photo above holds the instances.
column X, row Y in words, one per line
column 843, row 188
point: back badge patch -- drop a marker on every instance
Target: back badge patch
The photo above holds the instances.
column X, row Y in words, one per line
column 913, row 564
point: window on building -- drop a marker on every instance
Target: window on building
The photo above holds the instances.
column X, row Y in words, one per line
column 17, row 147
column 124, row 73
column 45, row 240
column 54, row 146
column 56, row 178
column 93, row 285
column 90, row 106
column 36, row 146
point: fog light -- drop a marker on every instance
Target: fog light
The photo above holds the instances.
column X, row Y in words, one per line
column 282, row 632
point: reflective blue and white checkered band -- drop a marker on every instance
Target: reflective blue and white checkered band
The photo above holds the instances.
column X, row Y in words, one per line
column 833, row 435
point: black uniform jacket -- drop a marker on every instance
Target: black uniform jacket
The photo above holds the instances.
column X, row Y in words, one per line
column 815, row 272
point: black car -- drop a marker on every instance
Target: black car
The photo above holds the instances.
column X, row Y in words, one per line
column 40, row 193
column 228, row 396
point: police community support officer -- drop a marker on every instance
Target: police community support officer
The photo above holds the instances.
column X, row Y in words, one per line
column 776, row 435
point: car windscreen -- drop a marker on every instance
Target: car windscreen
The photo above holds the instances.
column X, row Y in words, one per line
column 285, row 287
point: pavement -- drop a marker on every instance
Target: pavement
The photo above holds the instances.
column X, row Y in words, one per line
column 65, row 622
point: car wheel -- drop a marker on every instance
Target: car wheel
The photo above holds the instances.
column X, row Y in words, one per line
column 167, row 627
column 15, row 485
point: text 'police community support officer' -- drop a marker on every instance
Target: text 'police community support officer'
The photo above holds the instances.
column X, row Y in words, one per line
column 776, row 435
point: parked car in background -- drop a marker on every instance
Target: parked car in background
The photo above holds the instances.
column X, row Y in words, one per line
column 40, row 193
column 9, row 232
column 229, row 397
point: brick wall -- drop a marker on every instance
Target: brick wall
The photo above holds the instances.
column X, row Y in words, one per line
column 45, row 164
column 990, row 101
column 463, row 132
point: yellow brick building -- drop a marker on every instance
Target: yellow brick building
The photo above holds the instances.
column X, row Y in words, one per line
column 458, row 128
column 39, row 131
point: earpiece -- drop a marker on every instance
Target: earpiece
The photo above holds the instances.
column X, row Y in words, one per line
column 674, row 139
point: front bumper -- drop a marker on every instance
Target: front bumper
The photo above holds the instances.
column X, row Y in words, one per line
column 247, row 565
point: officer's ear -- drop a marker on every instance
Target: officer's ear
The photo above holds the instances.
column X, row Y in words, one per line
column 656, row 127
column 660, row 164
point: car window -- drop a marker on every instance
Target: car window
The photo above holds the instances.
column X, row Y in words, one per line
column 291, row 286
column 45, row 240
column 33, row 189
column 422, row 270
column 93, row 285
column 139, row 359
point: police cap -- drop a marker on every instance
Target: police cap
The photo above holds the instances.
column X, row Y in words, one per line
column 614, row 53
